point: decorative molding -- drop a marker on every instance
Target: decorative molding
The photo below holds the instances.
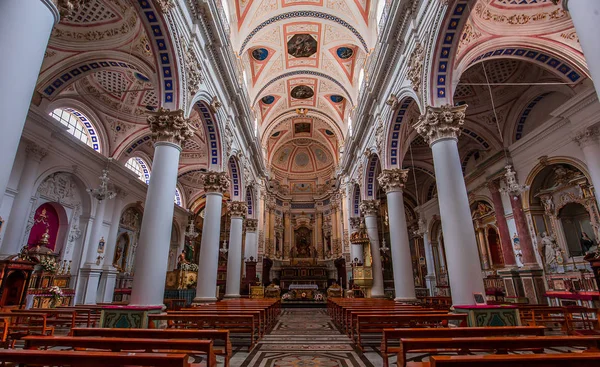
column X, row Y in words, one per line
column 439, row 123
column 589, row 136
column 251, row 225
column 170, row 126
column 67, row 7
column 215, row 182
column 415, row 67
column 237, row 208
column 369, row 207
column 392, row 180
column 35, row 152
column 192, row 71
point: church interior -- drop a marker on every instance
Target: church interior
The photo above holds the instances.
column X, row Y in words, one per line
column 300, row 183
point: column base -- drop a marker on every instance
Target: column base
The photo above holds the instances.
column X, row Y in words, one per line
column 232, row 296
column 202, row 300
column 106, row 288
column 533, row 284
column 512, row 284
column 90, row 279
column 431, row 284
column 405, row 300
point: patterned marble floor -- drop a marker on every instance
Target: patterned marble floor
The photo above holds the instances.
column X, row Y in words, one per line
column 303, row 338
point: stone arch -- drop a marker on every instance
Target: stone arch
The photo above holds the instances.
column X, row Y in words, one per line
column 394, row 151
column 356, row 201
column 235, row 174
column 252, row 208
column 372, row 170
column 212, row 134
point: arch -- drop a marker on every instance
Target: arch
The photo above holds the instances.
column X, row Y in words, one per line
column 179, row 197
column 237, row 188
column 250, row 201
column 81, row 184
column 139, row 166
column 372, row 170
column 356, row 201
column 212, row 134
column 88, row 117
column 394, row 134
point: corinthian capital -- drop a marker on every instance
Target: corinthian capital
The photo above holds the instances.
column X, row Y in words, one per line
column 251, row 225
column 35, row 152
column 66, row 8
column 369, row 207
column 588, row 136
column 170, row 126
column 215, row 182
column 393, row 179
column 441, row 123
column 355, row 223
column 237, row 208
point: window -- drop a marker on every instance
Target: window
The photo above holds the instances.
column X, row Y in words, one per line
column 140, row 168
column 177, row 197
column 77, row 125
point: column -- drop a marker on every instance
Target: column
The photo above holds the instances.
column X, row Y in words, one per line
column 356, row 251
column 215, row 184
column 109, row 272
column 251, row 250
column 15, row 228
column 430, row 278
column 334, row 226
column 508, row 255
column 370, row 209
column 23, row 44
column 287, row 239
column 237, row 210
column 483, row 248
column 586, row 19
column 525, row 242
column 169, row 131
column 392, row 181
column 441, row 126
column 590, row 146
column 272, row 226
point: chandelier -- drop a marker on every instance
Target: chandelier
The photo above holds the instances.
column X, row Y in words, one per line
column 421, row 226
column 513, row 187
column 384, row 247
column 191, row 230
column 102, row 192
column 302, row 111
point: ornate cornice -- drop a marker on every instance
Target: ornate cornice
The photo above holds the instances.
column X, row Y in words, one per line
column 589, row 136
column 415, row 67
column 237, row 208
column 565, row 4
column 393, row 179
column 170, row 126
column 440, row 123
column 251, row 225
column 215, row 182
column 369, row 207
column 66, row 8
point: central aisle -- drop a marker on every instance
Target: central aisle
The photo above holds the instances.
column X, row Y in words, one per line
column 303, row 337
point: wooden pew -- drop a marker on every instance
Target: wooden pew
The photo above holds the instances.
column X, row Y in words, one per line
column 500, row 345
column 374, row 324
column 22, row 323
column 513, row 360
column 233, row 323
column 258, row 314
column 460, row 332
column 215, row 335
column 92, row 359
column 189, row 346
column 353, row 315
column 4, row 324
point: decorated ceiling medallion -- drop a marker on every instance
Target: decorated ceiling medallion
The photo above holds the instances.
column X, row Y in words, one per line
column 302, row 159
column 260, row 54
column 141, row 77
column 345, row 52
column 336, row 98
column 302, row 92
column 302, row 45
column 268, row 99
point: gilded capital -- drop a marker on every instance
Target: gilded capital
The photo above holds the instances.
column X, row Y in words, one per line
column 441, row 123
column 393, row 179
column 355, row 223
column 170, row 126
column 369, row 207
column 215, row 182
column 588, row 136
column 251, row 225
column 66, row 8
column 237, row 208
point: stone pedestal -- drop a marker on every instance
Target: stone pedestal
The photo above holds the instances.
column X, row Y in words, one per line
column 129, row 317
column 512, row 283
column 532, row 281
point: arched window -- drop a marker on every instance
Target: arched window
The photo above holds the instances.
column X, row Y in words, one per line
column 78, row 125
column 139, row 167
column 177, row 197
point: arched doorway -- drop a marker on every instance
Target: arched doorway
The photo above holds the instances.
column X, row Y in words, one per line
column 575, row 221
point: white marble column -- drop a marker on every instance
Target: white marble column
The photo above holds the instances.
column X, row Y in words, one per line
column 109, row 272
column 589, row 142
column 215, row 184
column 237, row 210
column 25, row 27
column 19, row 213
column 370, row 210
column 392, row 181
column 251, row 250
column 169, row 130
column 441, row 127
column 356, row 251
column 586, row 19
column 430, row 278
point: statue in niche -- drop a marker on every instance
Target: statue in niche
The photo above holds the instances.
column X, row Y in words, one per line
column 549, row 251
column 517, row 249
column 189, row 251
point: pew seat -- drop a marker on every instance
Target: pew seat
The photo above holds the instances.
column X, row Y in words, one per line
column 513, row 360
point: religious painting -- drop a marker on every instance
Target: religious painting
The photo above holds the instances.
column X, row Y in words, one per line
column 302, row 45
column 302, row 127
column 120, row 258
column 303, row 246
column 302, row 92
column 260, row 54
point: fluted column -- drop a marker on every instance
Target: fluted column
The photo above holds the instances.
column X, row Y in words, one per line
column 589, row 142
column 109, row 272
column 370, row 210
column 356, row 251
column 508, row 255
column 441, row 127
column 15, row 226
column 25, row 26
column 215, row 184
column 169, row 131
column 237, row 210
column 392, row 181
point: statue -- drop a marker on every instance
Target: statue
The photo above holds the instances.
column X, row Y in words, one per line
column 517, row 249
column 549, row 250
column 189, row 251
column 182, row 259
column 586, row 243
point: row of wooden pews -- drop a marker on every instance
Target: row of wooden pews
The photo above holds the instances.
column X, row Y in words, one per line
column 408, row 329
column 572, row 320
